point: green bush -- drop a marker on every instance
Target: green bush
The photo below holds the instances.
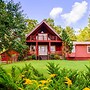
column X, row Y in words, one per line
column 29, row 57
column 34, row 57
column 52, row 56
column 29, row 78
column 57, row 57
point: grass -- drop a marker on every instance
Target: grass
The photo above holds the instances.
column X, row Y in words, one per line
column 40, row 65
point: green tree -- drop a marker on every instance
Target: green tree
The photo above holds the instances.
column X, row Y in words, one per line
column 71, row 33
column 30, row 25
column 84, row 34
column 67, row 43
column 50, row 22
column 57, row 28
column 12, row 26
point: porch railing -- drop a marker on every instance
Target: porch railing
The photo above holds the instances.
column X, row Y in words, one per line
column 42, row 38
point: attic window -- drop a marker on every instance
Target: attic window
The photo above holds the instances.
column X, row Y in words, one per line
column 88, row 49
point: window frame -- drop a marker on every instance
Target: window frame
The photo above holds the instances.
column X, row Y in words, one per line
column 88, row 49
column 74, row 49
column 54, row 49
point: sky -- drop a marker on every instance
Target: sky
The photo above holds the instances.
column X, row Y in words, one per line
column 73, row 13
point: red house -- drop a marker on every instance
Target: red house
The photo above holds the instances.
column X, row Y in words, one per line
column 44, row 41
column 81, row 51
column 9, row 56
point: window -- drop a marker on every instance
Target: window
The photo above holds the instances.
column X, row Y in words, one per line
column 32, row 48
column 88, row 49
column 42, row 36
column 53, row 48
column 73, row 50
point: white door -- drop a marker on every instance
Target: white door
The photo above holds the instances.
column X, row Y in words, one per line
column 42, row 49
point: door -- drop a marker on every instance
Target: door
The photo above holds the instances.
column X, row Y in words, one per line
column 42, row 49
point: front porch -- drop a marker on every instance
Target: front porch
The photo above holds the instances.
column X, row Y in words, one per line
column 43, row 50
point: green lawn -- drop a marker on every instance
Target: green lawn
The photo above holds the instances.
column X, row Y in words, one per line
column 41, row 65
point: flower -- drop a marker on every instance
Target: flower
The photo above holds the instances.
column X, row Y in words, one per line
column 43, row 81
column 86, row 88
column 68, row 81
column 28, row 81
column 53, row 75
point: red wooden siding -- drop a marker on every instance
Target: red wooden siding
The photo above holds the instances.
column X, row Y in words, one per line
column 9, row 55
column 80, row 51
column 44, row 35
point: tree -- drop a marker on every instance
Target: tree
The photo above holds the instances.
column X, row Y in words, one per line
column 67, row 43
column 12, row 26
column 57, row 28
column 30, row 25
column 50, row 22
column 84, row 34
column 71, row 33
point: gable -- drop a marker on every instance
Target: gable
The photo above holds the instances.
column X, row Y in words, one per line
column 43, row 27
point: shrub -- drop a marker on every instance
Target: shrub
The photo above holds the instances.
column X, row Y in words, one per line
column 29, row 78
column 34, row 57
column 29, row 57
column 56, row 56
column 52, row 56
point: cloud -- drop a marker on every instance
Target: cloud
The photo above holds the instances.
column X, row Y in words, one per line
column 55, row 12
column 77, row 12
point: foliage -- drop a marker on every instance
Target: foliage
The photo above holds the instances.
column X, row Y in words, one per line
column 67, row 43
column 12, row 26
column 30, row 25
column 56, row 56
column 6, row 81
column 28, row 78
column 52, row 68
column 52, row 56
column 84, row 34
column 34, row 57
column 71, row 33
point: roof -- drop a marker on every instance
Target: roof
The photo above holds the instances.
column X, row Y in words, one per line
column 81, row 43
column 46, row 25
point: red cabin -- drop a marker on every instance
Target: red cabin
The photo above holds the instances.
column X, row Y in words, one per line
column 81, row 51
column 9, row 56
column 44, row 41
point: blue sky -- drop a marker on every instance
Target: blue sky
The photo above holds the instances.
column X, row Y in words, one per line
column 72, row 13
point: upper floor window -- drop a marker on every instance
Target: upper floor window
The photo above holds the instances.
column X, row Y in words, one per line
column 88, row 49
column 42, row 36
column 73, row 50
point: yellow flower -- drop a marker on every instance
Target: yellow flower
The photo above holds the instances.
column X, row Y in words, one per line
column 53, row 75
column 40, row 85
column 86, row 88
column 68, row 81
column 43, row 81
column 28, row 81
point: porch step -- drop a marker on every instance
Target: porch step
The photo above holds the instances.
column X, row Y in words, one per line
column 43, row 57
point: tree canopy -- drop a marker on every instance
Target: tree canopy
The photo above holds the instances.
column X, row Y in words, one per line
column 12, row 26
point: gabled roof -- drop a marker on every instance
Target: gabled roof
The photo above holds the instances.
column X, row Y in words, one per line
column 44, row 22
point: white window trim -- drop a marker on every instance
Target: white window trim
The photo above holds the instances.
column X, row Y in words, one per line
column 53, row 47
column 87, row 49
column 74, row 49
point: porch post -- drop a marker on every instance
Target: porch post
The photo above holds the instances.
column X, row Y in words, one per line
column 37, row 50
column 49, row 51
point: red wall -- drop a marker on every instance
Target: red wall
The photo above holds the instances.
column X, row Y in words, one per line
column 80, row 53
column 6, row 55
